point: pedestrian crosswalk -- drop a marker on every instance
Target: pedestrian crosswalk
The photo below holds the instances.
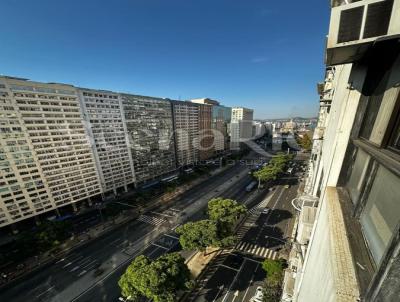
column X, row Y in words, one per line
column 257, row 209
column 152, row 219
column 254, row 249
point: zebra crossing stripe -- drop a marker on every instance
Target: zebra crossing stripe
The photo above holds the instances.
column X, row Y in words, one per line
column 275, row 255
column 151, row 220
column 265, row 254
column 258, row 249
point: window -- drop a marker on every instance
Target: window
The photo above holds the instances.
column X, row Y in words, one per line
column 394, row 141
column 356, row 179
column 381, row 213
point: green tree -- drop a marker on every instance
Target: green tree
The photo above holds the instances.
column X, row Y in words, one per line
column 272, row 293
column 158, row 280
column 225, row 212
column 267, row 173
column 198, row 235
column 274, row 270
column 305, row 141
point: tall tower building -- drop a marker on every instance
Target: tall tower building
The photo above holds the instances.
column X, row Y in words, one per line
column 109, row 139
column 149, row 123
column 186, row 129
column 241, row 126
column 47, row 161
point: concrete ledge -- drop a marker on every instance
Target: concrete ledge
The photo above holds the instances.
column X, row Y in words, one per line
column 344, row 274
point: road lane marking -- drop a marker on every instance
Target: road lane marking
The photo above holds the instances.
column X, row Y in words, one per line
column 68, row 264
column 162, row 214
column 46, row 291
column 174, row 237
column 74, row 269
column 251, row 281
column 234, row 280
column 82, row 273
column 160, row 246
column 228, row 267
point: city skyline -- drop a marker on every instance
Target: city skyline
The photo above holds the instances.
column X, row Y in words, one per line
column 205, row 59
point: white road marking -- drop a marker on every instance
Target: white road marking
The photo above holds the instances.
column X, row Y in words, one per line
column 82, row 273
column 74, row 269
column 46, row 291
column 162, row 214
column 68, row 264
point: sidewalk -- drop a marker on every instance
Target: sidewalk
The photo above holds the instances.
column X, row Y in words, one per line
column 17, row 272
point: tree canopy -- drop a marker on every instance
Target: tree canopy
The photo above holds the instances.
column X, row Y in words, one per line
column 305, row 142
column 198, row 235
column 274, row 270
column 225, row 210
column 276, row 165
column 158, row 280
column 225, row 213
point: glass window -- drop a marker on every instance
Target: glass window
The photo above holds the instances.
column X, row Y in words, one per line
column 394, row 142
column 381, row 213
column 357, row 176
column 374, row 103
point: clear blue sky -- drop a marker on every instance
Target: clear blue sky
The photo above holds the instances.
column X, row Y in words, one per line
column 266, row 55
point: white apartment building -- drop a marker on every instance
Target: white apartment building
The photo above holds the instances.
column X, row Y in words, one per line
column 106, row 126
column 241, row 126
column 149, row 123
column 47, row 161
column 353, row 250
column 186, row 130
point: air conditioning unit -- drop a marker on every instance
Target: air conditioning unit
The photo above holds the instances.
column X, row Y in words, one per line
column 355, row 26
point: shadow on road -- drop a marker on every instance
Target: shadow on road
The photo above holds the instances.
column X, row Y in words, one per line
column 278, row 215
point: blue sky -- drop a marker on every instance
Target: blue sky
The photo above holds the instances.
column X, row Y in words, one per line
column 266, row 55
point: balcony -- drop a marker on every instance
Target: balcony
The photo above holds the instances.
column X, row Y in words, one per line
column 319, row 133
column 356, row 25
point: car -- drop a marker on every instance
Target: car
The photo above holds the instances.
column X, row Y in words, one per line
column 258, row 296
column 266, row 211
column 286, row 186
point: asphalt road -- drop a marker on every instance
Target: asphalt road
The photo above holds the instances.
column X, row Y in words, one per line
column 263, row 235
column 72, row 278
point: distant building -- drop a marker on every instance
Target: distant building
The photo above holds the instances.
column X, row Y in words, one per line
column 149, row 124
column 206, row 136
column 103, row 113
column 241, row 127
column 186, row 128
column 221, row 119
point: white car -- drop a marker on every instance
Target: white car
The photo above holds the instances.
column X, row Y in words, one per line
column 266, row 211
column 258, row 296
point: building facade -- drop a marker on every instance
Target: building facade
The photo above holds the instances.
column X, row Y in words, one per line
column 149, row 123
column 221, row 119
column 106, row 126
column 241, row 127
column 186, row 129
column 353, row 250
column 206, row 135
column 47, row 161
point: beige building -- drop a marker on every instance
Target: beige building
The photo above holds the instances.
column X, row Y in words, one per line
column 106, row 126
column 47, row 161
column 149, row 124
column 241, row 126
column 353, row 250
column 186, row 130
